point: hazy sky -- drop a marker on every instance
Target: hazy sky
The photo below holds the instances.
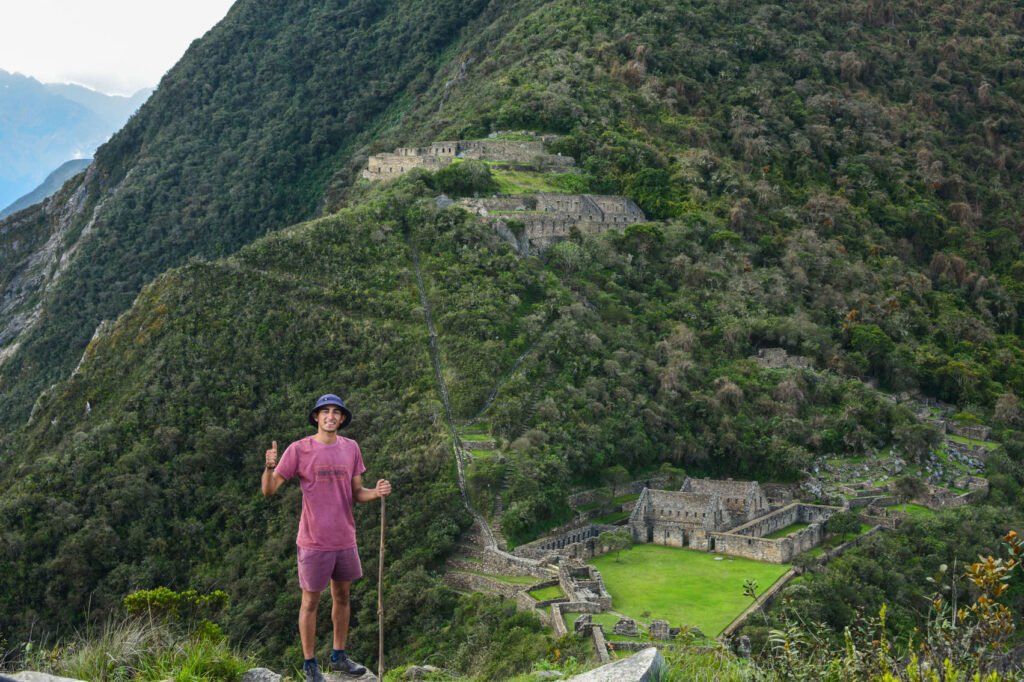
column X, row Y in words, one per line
column 116, row 46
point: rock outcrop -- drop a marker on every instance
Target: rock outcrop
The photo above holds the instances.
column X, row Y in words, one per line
column 646, row 666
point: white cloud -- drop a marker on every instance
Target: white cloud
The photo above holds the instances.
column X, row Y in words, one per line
column 117, row 46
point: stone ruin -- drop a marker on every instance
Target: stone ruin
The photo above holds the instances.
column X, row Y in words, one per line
column 533, row 222
column 580, row 542
column 974, row 431
column 659, row 629
column 523, row 153
column 626, row 627
column 684, row 518
column 973, row 484
column 730, row 517
column 583, row 624
column 583, row 584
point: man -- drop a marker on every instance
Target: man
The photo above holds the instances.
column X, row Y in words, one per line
column 330, row 471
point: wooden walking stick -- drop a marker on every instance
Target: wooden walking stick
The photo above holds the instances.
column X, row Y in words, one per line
column 380, row 598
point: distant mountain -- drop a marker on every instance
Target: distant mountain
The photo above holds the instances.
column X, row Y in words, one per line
column 114, row 109
column 42, row 126
column 50, row 185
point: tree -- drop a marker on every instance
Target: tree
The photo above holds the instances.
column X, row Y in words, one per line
column 917, row 440
column 616, row 541
column 843, row 523
column 909, row 487
column 616, row 475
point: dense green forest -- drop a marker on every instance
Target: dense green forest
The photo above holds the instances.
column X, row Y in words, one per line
column 842, row 181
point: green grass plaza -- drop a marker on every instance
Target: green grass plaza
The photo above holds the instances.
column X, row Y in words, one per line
column 682, row 586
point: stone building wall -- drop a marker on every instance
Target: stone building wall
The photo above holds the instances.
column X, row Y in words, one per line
column 579, row 543
column 769, row 523
column 748, row 540
column 655, row 520
column 493, row 561
column 582, row 583
column 779, row 551
column 877, row 501
column 975, row 431
column 936, row 497
column 743, row 499
column 683, row 518
column 550, row 217
column 881, row 517
column 441, row 154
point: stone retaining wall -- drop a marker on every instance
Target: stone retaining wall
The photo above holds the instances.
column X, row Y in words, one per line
column 577, row 543
column 600, row 644
column 528, row 153
column 880, row 501
column 748, row 541
column 936, row 497
column 975, row 431
column 778, row 551
column 496, row 561
column 761, row 602
column 889, row 519
column 468, row 582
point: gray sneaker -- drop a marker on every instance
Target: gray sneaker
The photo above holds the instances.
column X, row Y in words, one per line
column 347, row 666
column 313, row 673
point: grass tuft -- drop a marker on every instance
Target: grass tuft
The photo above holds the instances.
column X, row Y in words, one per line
column 141, row 650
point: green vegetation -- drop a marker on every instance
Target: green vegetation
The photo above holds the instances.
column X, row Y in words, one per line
column 788, row 530
column 510, row 579
column 915, row 510
column 138, row 649
column 527, row 182
column 241, row 139
column 963, row 440
column 474, row 437
column 684, row 587
column 545, row 593
column 808, row 190
column 613, row 517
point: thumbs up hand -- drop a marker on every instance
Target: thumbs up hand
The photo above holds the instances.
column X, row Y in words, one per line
column 272, row 455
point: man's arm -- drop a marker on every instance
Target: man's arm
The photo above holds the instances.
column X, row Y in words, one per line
column 361, row 494
column 271, row 479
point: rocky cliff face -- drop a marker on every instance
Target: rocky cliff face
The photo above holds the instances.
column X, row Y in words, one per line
column 36, row 246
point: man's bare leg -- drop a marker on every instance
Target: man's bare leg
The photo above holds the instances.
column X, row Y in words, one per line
column 340, row 611
column 307, row 623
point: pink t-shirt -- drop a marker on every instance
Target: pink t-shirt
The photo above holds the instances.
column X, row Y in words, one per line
column 325, row 474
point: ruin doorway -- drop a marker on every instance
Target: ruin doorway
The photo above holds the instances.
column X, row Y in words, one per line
column 650, row 534
column 711, row 545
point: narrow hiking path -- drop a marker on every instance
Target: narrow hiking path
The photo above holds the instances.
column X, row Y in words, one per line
column 435, row 356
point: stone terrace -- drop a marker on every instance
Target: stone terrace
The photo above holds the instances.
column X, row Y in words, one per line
column 529, row 153
column 549, row 217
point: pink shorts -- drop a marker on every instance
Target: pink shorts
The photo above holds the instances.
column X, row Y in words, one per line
column 318, row 568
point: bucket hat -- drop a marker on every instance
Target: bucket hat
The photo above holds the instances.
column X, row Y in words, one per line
column 330, row 399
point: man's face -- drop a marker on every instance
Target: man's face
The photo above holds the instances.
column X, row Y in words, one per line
column 330, row 419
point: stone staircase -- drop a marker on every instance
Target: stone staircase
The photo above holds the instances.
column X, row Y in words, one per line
column 470, row 439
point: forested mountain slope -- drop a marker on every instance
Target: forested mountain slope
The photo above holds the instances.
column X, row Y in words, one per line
column 841, row 181
column 239, row 139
